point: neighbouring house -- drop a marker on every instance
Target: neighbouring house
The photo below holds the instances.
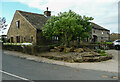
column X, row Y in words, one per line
column 114, row 36
column 100, row 34
column 26, row 27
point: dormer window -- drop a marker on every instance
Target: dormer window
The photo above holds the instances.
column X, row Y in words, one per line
column 17, row 24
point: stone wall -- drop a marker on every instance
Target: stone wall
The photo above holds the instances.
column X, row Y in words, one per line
column 33, row 50
column 41, row 40
column 102, row 35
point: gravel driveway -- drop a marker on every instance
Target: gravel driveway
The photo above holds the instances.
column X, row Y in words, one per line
column 114, row 53
column 109, row 65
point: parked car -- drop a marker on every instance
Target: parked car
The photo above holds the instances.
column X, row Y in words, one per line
column 116, row 44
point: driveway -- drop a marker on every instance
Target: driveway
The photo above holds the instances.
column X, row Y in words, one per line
column 109, row 65
column 114, row 53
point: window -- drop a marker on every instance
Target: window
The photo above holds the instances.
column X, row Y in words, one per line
column 11, row 39
column 55, row 38
column 18, row 39
column 101, row 37
column 31, row 38
column 24, row 39
column 17, row 24
column 102, row 32
column 52, row 37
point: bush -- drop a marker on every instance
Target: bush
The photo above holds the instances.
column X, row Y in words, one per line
column 108, row 42
column 103, row 54
column 101, row 51
column 103, row 43
column 98, row 51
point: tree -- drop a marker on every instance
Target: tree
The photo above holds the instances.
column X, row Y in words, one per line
column 3, row 24
column 68, row 26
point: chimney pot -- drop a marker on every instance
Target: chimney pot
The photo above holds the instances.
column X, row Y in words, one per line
column 47, row 13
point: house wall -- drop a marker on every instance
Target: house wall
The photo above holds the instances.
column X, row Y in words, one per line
column 101, row 37
column 41, row 40
column 26, row 30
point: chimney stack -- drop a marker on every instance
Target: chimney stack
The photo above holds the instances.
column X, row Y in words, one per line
column 47, row 13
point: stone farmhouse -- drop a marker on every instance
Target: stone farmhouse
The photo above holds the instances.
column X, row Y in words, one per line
column 26, row 27
column 100, row 34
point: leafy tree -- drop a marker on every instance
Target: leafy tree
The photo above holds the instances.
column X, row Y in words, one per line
column 3, row 24
column 68, row 26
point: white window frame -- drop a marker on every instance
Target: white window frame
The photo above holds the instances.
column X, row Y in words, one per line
column 102, row 32
column 18, row 24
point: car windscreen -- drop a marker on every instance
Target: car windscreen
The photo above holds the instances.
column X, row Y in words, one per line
column 118, row 41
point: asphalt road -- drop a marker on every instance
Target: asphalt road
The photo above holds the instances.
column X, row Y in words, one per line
column 15, row 68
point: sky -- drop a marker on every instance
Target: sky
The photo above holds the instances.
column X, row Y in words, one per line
column 104, row 12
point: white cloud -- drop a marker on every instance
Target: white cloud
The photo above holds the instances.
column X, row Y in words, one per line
column 104, row 12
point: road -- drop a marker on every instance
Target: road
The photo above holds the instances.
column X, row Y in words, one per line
column 15, row 68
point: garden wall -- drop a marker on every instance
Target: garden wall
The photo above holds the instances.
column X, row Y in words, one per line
column 26, row 49
column 33, row 50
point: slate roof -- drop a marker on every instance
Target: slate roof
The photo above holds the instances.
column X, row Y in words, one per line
column 37, row 20
column 95, row 26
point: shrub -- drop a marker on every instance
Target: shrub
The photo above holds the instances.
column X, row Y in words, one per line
column 108, row 42
column 101, row 51
column 103, row 42
column 103, row 54
column 98, row 51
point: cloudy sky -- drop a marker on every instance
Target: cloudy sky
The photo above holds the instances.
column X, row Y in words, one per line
column 104, row 12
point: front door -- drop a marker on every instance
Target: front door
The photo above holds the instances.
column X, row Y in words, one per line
column 94, row 38
column 11, row 39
